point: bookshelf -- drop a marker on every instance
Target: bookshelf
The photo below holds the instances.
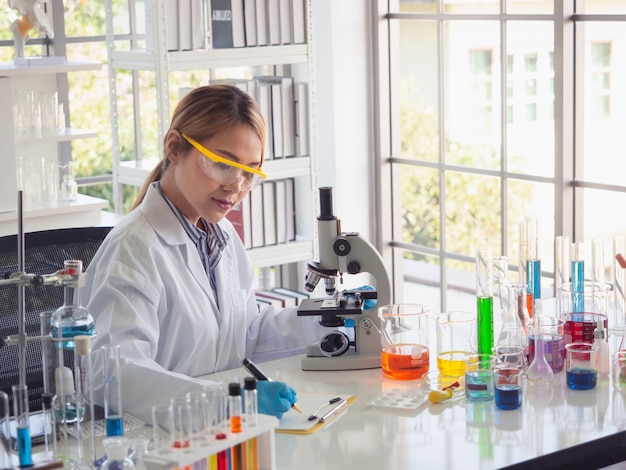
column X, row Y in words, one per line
column 150, row 52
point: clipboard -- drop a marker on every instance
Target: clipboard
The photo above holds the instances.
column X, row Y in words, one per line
column 321, row 405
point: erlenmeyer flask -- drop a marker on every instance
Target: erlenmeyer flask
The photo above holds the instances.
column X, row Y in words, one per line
column 539, row 370
column 512, row 344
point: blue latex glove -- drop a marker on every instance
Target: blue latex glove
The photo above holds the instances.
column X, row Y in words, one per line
column 275, row 398
column 368, row 304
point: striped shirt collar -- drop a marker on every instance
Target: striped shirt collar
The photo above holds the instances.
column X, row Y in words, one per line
column 210, row 242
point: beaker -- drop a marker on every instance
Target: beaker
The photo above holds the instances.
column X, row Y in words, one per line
column 404, row 340
column 581, row 305
column 581, row 365
column 456, row 334
column 551, row 329
column 479, row 383
column 508, row 382
column 618, row 365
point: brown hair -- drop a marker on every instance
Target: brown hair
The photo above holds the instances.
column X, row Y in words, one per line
column 203, row 113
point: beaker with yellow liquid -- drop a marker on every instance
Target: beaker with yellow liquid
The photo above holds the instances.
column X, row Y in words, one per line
column 456, row 337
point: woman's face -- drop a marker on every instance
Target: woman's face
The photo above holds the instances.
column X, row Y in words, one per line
column 197, row 195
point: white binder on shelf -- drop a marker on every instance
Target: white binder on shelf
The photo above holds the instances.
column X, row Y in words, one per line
column 269, row 212
column 184, row 25
column 262, row 34
column 250, row 22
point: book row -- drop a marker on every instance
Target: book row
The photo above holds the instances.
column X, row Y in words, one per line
column 266, row 216
column 284, row 105
column 222, row 24
column 280, row 297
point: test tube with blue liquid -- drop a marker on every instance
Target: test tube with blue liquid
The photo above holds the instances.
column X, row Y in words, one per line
column 21, row 411
column 112, row 390
column 578, row 276
column 484, row 299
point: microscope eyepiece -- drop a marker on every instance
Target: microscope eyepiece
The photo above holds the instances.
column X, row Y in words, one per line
column 326, row 204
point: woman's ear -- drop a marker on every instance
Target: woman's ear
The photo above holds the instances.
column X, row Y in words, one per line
column 173, row 144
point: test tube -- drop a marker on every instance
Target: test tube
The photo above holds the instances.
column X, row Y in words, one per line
column 112, row 390
column 619, row 278
column 251, row 401
column 234, row 411
column 5, row 414
column 578, row 276
column 251, row 451
column 221, row 397
column 597, row 260
column 20, row 406
column 484, row 299
column 84, row 400
column 533, row 262
column 523, row 266
column 49, row 424
column 561, row 262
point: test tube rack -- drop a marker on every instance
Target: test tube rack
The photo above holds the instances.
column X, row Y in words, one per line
column 263, row 431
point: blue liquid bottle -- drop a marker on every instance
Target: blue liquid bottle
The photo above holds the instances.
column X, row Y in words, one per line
column 71, row 319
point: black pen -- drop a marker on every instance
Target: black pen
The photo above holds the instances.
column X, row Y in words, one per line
column 259, row 375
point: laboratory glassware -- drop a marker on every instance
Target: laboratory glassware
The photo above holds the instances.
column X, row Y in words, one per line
column 404, row 338
column 112, row 378
column 581, row 365
column 456, row 335
column 512, row 344
column 181, row 410
column 484, row 300
column 85, row 427
column 508, row 387
column 116, row 449
column 162, row 428
column 479, row 384
column 539, row 371
column 5, row 446
column 71, row 319
column 21, row 413
column 251, row 401
column 552, row 330
column 49, row 424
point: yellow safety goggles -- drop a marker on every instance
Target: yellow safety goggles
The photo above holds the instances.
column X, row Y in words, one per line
column 224, row 171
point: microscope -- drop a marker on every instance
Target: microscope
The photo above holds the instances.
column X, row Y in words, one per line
column 344, row 252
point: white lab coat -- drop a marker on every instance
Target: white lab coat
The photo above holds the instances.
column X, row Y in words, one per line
column 148, row 291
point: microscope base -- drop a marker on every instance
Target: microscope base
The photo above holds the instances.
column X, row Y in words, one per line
column 347, row 361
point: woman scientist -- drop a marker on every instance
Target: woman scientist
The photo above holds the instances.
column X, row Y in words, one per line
column 172, row 282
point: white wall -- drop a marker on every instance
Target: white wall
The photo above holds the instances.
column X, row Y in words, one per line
column 343, row 108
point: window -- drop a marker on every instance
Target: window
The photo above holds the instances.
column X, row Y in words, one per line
column 495, row 117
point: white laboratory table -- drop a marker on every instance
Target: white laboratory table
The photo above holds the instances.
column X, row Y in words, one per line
column 555, row 427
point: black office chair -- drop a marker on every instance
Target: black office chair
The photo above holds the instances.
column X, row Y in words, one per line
column 44, row 253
